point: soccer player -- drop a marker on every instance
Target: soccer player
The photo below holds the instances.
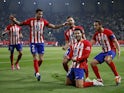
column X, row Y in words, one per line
column 15, row 36
column 79, row 52
column 69, row 39
column 106, row 38
column 37, row 25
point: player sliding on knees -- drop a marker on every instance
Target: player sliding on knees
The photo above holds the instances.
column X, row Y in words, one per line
column 79, row 53
column 69, row 40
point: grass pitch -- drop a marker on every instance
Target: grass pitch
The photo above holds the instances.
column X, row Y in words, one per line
column 53, row 75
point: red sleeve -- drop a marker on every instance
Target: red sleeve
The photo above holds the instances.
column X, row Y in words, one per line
column 45, row 22
column 7, row 28
column 27, row 22
column 86, row 51
column 110, row 34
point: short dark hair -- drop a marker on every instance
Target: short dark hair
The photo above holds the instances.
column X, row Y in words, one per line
column 78, row 29
column 38, row 10
column 98, row 21
column 69, row 17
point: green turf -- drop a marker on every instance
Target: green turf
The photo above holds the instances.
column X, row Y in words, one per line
column 53, row 75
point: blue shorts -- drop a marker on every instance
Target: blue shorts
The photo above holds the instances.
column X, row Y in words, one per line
column 100, row 57
column 12, row 47
column 37, row 48
column 75, row 73
column 67, row 52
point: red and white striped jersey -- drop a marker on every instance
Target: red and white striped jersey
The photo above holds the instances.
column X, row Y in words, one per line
column 36, row 29
column 80, row 51
column 69, row 34
column 14, row 34
column 105, row 39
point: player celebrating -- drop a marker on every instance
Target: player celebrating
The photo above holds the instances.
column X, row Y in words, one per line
column 69, row 39
column 15, row 35
column 109, row 43
column 37, row 25
column 79, row 52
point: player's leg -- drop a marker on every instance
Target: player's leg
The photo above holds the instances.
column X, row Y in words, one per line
column 79, row 77
column 40, row 59
column 19, row 49
column 66, row 60
column 11, row 49
column 69, row 82
column 111, row 64
column 70, row 77
column 37, row 63
column 36, row 67
column 95, row 69
column 33, row 48
column 87, row 71
column 108, row 60
column 97, row 60
column 80, row 83
column 87, row 74
column 41, row 53
column 65, row 64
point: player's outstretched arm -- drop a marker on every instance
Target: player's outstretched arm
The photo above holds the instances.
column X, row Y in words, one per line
column 4, row 33
column 117, row 46
column 57, row 26
column 15, row 20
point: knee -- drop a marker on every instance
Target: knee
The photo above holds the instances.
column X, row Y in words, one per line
column 41, row 58
column 79, row 86
column 65, row 61
column 93, row 63
column 20, row 54
column 68, row 82
column 108, row 59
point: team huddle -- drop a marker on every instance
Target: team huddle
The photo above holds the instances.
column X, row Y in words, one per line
column 77, row 47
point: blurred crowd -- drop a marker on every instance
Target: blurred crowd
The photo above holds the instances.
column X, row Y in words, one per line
column 115, row 22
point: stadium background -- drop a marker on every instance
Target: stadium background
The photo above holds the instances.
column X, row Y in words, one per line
column 53, row 74
column 55, row 11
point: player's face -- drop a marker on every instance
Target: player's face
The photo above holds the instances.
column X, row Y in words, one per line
column 78, row 35
column 39, row 14
column 97, row 26
column 70, row 21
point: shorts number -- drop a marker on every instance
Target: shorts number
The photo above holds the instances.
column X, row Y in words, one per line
column 33, row 48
